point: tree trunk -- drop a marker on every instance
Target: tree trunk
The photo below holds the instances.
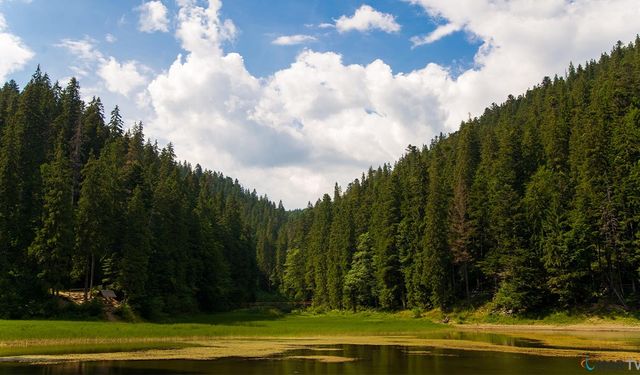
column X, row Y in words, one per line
column 86, row 283
column 92, row 269
column 465, row 267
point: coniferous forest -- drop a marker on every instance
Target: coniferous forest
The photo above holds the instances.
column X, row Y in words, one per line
column 533, row 205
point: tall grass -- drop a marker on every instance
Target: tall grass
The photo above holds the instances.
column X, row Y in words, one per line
column 239, row 323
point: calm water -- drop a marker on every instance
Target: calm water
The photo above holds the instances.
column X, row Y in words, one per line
column 371, row 359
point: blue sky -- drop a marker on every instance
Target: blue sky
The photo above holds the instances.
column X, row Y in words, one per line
column 291, row 96
column 43, row 23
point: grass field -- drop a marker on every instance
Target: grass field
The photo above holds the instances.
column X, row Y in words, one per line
column 267, row 332
column 595, row 315
column 238, row 323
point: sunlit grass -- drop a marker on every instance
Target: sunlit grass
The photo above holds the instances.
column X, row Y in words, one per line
column 52, row 337
column 485, row 315
column 239, row 323
column 17, row 350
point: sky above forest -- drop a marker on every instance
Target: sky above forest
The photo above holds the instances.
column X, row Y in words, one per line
column 291, row 96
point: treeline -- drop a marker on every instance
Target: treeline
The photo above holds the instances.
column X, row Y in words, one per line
column 535, row 204
column 84, row 203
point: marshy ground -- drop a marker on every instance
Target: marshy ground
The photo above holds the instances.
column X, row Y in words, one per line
column 260, row 334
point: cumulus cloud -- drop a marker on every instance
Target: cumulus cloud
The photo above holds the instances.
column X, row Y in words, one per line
column 437, row 34
column 365, row 19
column 110, row 38
column 294, row 133
column 15, row 54
column 291, row 135
column 523, row 40
column 121, row 78
column 290, row 40
column 153, row 17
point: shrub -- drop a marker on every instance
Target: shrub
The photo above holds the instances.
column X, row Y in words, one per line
column 125, row 312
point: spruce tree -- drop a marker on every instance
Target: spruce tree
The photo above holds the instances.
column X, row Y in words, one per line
column 53, row 243
column 360, row 282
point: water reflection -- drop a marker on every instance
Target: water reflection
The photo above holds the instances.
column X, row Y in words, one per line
column 371, row 359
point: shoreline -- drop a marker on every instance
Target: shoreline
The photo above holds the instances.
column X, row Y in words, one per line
column 573, row 327
column 211, row 348
column 602, row 340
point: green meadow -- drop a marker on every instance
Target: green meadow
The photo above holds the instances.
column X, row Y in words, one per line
column 238, row 323
column 258, row 333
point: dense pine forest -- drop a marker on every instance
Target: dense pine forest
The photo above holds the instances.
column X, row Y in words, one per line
column 83, row 203
column 533, row 205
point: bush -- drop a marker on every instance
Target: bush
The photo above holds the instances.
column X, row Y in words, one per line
column 125, row 312
column 91, row 310
column 417, row 312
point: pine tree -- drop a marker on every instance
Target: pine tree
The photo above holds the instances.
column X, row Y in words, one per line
column 93, row 220
column 293, row 280
column 116, row 124
column 94, row 130
column 213, row 274
column 339, row 250
column 360, row 282
column 436, row 253
column 53, row 244
column 384, row 227
column 318, row 248
column 461, row 227
column 135, row 257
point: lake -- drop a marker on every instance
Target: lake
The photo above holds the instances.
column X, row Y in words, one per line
column 367, row 359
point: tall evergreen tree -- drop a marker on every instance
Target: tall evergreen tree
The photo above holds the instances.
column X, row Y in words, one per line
column 436, row 254
column 53, row 244
column 360, row 281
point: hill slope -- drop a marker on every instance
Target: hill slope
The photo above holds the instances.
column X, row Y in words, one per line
column 534, row 204
column 84, row 203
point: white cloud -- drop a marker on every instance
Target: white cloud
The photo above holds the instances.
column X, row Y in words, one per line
column 154, row 16
column 121, row 78
column 199, row 29
column 293, row 134
column 289, row 40
column 524, row 40
column 15, row 54
column 366, row 18
column 84, row 49
column 437, row 34
column 110, row 38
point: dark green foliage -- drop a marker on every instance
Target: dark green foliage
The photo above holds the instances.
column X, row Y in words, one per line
column 384, row 229
column 84, row 204
column 293, row 280
column 136, row 251
column 436, row 255
column 360, row 282
column 535, row 204
column 53, row 244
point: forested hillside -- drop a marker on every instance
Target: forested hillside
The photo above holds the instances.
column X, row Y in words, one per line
column 84, row 203
column 534, row 204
